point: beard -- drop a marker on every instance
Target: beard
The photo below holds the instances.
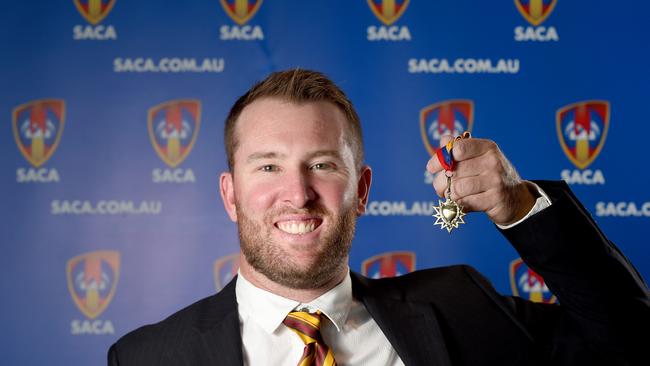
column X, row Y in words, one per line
column 269, row 258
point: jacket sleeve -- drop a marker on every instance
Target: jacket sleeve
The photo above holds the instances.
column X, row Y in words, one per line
column 605, row 304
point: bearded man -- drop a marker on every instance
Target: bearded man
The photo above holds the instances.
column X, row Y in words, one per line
column 297, row 183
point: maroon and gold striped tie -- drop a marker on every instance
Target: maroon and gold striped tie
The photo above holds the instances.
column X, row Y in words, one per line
column 307, row 326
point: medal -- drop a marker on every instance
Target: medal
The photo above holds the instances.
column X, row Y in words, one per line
column 449, row 214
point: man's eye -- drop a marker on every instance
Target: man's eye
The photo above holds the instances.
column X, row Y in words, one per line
column 322, row 166
column 269, row 168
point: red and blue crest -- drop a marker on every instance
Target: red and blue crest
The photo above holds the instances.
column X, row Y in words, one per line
column 529, row 285
column 94, row 11
column 388, row 11
column 449, row 117
column 582, row 128
column 241, row 11
column 92, row 280
column 535, row 11
column 173, row 127
column 37, row 127
column 225, row 269
column 389, row 264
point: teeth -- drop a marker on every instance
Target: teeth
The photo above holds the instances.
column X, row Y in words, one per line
column 293, row 227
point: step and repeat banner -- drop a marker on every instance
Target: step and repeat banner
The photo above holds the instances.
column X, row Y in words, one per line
column 112, row 141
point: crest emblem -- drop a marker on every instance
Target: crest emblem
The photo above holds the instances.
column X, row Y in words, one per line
column 389, row 264
column 92, row 280
column 449, row 117
column 241, row 11
column 529, row 285
column 94, row 10
column 582, row 129
column 388, row 11
column 38, row 126
column 535, row 11
column 173, row 128
column 225, row 268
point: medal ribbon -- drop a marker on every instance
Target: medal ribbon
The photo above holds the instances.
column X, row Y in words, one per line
column 444, row 156
column 449, row 214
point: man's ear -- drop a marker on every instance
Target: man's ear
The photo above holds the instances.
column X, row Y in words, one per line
column 227, row 189
column 363, row 189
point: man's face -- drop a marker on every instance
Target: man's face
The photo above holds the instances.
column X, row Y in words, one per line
column 295, row 191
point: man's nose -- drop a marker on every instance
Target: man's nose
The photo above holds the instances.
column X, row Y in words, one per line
column 297, row 189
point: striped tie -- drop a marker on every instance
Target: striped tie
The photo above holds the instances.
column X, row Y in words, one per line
column 307, row 327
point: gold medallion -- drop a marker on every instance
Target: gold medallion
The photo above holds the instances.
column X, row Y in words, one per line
column 449, row 214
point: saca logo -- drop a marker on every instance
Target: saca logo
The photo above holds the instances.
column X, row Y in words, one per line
column 536, row 12
column 241, row 11
column 388, row 12
column 37, row 126
column 94, row 11
column 173, row 128
column 582, row 129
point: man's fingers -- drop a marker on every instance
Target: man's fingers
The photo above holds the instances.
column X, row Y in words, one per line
column 464, row 149
column 468, row 186
column 440, row 184
column 484, row 180
column 464, row 187
column 483, row 201
column 433, row 165
column 489, row 162
column 469, row 148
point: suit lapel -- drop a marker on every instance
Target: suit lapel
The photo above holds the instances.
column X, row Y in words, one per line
column 411, row 327
column 218, row 329
column 222, row 344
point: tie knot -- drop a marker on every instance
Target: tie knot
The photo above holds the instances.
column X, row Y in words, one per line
column 306, row 325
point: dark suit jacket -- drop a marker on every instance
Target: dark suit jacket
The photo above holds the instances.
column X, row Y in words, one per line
column 452, row 315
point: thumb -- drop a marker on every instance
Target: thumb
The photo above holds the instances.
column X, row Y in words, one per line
column 444, row 139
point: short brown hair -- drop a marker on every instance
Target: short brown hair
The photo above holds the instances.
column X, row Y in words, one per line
column 297, row 86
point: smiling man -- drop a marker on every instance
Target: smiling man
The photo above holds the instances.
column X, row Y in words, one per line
column 295, row 199
column 295, row 187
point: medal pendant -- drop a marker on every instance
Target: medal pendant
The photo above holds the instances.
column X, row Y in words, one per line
column 449, row 214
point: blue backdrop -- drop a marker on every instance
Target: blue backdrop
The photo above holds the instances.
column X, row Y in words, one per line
column 112, row 140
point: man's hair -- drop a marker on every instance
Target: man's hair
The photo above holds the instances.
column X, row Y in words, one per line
column 296, row 86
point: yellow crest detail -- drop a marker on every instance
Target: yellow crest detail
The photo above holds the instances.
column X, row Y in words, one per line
column 94, row 11
column 92, row 280
column 389, row 10
column 241, row 11
column 534, row 12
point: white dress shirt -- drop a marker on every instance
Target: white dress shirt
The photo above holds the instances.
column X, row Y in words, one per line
column 349, row 330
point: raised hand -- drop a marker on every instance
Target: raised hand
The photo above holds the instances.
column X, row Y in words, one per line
column 484, row 180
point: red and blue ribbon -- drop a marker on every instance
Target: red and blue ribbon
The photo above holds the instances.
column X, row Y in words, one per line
column 445, row 156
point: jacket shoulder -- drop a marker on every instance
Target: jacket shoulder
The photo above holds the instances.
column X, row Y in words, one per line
column 437, row 283
column 154, row 340
column 154, row 343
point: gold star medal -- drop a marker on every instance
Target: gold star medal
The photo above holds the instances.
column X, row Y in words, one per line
column 449, row 214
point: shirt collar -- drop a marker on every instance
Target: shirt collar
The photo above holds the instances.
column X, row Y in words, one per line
column 269, row 310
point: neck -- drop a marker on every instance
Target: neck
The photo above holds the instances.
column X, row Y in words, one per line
column 301, row 295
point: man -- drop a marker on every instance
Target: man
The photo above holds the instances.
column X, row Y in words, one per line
column 295, row 186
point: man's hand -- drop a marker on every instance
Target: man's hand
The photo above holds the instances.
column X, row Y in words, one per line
column 484, row 180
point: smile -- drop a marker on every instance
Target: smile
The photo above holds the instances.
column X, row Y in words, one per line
column 298, row 227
